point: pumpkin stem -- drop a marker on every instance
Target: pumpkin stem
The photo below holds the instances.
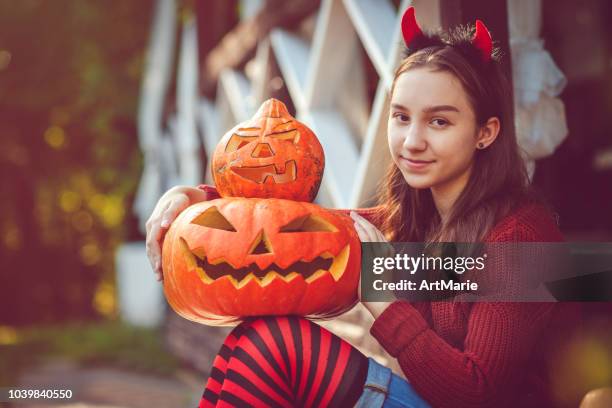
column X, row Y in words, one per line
column 272, row 108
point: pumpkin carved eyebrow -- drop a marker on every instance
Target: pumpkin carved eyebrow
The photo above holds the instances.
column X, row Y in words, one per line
column 249, row 130
column 285, row 131
column 309, row 223
column 290, row 135
column 212, row 218
column 283, row 126
column 237, row 142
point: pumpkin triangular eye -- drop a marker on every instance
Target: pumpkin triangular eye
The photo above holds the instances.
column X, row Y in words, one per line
column 212, row 218
column 309, row 223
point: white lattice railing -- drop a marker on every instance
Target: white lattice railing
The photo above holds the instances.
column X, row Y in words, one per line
column 325, row 79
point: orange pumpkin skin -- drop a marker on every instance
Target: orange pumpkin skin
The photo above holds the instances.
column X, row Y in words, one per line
column 272, row 155
column 231, row 258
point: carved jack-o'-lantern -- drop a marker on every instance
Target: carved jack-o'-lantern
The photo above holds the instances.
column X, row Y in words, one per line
column 235, row 257
column 270, row 155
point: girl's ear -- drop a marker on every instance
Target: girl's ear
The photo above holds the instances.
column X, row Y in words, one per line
column 488, row 133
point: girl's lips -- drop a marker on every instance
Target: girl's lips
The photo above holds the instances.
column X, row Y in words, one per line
column 414, row 164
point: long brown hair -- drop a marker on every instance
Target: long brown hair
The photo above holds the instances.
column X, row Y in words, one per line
column 498, row 180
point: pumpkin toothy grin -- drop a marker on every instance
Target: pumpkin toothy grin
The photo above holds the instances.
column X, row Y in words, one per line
column 324, row 264
column 269, row 173
column 306, row 269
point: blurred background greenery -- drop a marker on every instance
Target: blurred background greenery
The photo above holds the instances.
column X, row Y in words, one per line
column 69, row 163
column 106, row 343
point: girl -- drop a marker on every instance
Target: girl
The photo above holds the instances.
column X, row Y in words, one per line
column 456, row 176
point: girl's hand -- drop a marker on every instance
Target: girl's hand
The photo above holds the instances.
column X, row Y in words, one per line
column 369, row 233
column 167, row 209
column 366, row 231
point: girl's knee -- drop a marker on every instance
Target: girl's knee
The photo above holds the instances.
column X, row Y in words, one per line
column 281, row 328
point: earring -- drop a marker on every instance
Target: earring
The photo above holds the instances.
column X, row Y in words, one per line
column 480, row 145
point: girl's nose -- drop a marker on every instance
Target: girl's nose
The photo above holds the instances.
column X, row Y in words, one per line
column 414, row 138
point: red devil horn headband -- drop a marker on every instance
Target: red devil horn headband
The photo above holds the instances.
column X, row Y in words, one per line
column 481, row 40
column 410, row 27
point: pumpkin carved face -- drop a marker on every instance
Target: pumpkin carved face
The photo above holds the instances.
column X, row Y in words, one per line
column 270, row 156
column 234, row 257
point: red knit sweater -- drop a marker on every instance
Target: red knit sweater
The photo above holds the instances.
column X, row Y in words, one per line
column 477, row 354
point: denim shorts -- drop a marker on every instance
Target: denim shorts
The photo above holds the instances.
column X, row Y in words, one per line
column 383, row 389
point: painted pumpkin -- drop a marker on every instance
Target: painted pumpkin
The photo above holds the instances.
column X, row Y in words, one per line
column 235, row 257
column 272, row 155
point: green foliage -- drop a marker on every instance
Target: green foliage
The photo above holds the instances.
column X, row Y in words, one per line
column 108, row 343
column 69, row 164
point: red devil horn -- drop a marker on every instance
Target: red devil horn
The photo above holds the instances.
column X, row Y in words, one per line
column 410, row 27
column 482, row 40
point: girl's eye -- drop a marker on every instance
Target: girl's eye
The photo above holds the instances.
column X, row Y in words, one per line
column 402, row 117
column 439, row 122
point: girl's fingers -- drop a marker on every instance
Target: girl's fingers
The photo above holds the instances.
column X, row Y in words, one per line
column 361, row 232
column 166, row 210
column 364, row 223
column 159, row 209
column 370, row 232
column 362, row 229
column 159, row 228
column 153, row 249
column 358, row 227
column 155, row 232
column 178, row 204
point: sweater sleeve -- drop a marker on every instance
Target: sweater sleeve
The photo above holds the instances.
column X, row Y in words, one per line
column 367, row 213
column 210, row 190
column 499, row 339
column 484, row 370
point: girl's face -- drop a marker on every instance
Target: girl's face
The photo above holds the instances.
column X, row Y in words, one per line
column 432, row 129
